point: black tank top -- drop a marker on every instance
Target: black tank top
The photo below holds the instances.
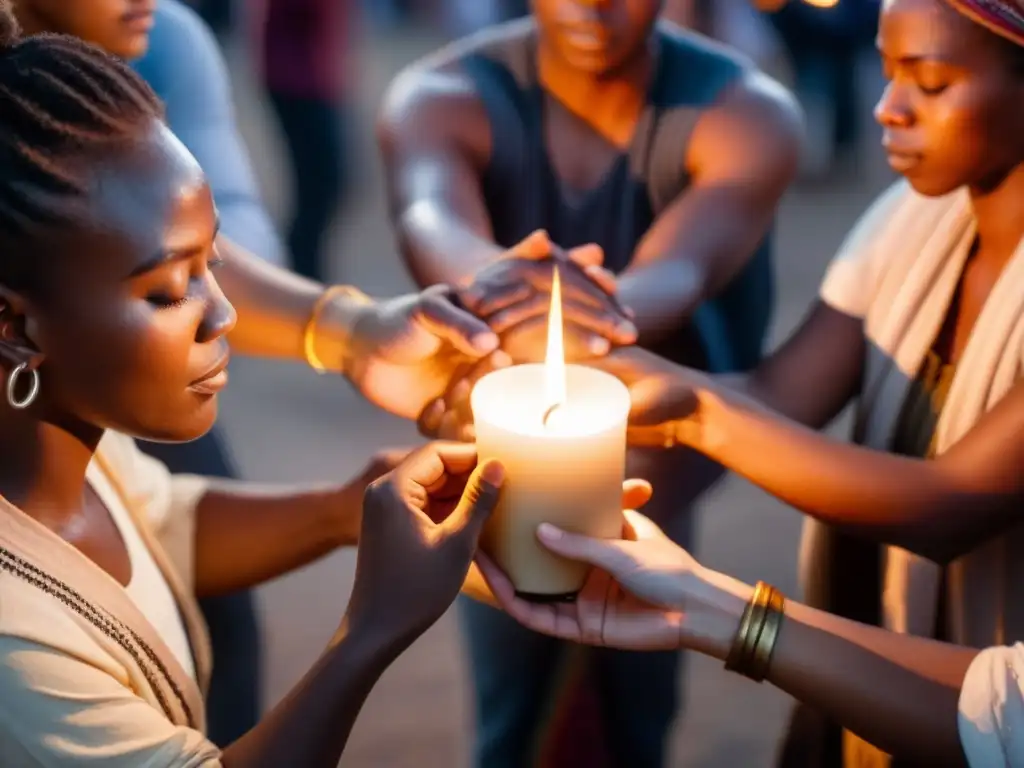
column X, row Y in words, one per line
column 523, row 192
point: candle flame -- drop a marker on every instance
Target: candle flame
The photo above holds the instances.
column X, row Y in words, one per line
column 554, row 360
column 822, row 3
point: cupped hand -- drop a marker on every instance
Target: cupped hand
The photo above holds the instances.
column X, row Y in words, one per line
column 644, row 593
column 421, row 525
column 635, row 493
column 669, row 402
column 405, row 351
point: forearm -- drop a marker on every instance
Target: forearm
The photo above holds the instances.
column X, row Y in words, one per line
column 663, row 296
column 246, row 535
column 274, row 307
column 311, row 726
column 441, row 247
column 897, row 692
column 902, row 501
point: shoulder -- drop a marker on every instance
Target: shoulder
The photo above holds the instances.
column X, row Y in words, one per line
column 440, row 97
column 180, row 43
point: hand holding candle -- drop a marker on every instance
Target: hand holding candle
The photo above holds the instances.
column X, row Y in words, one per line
column 560, row 432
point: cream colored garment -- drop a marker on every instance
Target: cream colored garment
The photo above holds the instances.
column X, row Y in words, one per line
column 86, row 680
column 991, row 711
column 899, row 271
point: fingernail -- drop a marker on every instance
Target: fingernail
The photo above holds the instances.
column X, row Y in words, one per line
column 493, row 473
column 484, row 342
column 599, row 346
column 501, row 359
column 626, row 328
column 549, row 532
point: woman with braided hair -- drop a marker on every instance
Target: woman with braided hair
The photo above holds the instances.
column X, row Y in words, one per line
column 113, row 325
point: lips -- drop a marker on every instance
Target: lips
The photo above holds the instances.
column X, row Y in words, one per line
column 214, row 380
column 140, row 19
column 901, row 155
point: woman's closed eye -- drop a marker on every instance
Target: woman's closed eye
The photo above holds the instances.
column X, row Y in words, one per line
column 176, row 295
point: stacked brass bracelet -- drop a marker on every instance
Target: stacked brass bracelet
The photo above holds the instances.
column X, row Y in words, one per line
column 358, row 299
column 751, row 653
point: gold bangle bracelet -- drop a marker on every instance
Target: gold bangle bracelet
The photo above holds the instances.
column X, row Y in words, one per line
column 309, row 333
column 755, row 640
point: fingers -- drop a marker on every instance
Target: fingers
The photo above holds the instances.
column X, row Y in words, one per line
column 428, row 466
column 536, row 245
column 450, row 417
column 478, row 501
column 587, row 256
column 467, row 333
column 603, row 321
column 636, row 493
column 611, row 555
column 553, row 620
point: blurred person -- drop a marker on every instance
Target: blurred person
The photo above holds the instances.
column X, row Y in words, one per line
column 112, row 324
column 306, row 56
column 737, row 23
column 938, row 704
column 921, row 319
column 613, row 140
column 825, row 43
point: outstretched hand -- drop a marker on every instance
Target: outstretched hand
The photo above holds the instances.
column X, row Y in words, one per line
column 644, row 593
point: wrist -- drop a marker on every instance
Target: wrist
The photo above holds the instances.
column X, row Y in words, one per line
column 372, row 645
column 331, row 332
column 345, row 514
column 712, row 627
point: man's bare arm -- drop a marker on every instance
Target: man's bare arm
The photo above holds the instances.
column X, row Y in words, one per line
column 742, row 156
column 434, row 139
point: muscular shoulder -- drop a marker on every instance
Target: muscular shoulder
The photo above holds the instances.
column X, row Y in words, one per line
column 437, row 100
column 755, row 122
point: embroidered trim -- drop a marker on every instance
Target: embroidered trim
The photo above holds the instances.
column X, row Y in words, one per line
column 110, row 626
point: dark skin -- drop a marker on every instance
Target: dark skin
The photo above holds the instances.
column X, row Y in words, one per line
column 954, row 103
column 118, row 26
column 436, row 143
column 435, row 139
column 127, row 331
column 407, row 347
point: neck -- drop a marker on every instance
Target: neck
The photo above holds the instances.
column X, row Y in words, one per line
column 43, row 467
column 999, row 211
column 611, row 103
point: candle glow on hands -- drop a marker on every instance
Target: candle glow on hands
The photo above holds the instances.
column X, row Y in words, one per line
column 554, row 360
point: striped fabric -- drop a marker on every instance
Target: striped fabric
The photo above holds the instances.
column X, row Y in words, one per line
column 1004, row 17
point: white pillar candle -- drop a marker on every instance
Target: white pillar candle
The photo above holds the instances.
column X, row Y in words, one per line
column 560, row 432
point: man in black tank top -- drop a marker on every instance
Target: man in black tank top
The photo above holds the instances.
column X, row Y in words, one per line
column 670, row 152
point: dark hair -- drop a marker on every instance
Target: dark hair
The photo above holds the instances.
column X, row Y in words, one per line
column 64, row 104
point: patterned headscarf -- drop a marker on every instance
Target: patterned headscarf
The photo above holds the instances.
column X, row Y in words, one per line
column 1004, row 17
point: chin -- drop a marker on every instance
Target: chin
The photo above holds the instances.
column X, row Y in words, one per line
column 931, row 186
column 130, row 48
column 184, row 430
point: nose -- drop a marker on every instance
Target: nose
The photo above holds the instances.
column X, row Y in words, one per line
column 892, row 109
column 220, row 316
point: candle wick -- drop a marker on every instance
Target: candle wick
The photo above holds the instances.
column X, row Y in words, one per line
column 549, row 413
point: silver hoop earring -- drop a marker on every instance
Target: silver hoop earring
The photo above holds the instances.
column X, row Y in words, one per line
column 12, row 384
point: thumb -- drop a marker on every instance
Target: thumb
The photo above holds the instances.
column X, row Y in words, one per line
column 657, row 400
column 610, row 555
column 589, row 255
column 478, row 501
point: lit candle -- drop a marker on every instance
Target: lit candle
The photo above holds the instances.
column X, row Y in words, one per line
column 560, row 432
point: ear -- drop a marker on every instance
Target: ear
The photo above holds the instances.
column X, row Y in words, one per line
column 16, row 345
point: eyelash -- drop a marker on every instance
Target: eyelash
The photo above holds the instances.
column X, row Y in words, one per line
column 162, row 302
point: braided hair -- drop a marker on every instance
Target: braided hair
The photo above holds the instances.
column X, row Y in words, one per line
column 65, row 105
